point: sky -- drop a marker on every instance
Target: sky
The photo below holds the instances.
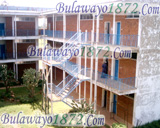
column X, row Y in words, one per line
column 49, row 3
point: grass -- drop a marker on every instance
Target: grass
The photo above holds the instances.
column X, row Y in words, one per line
column 15, row 107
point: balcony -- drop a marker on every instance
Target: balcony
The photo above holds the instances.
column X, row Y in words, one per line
column 21, row 56
column 117, row 85
column 104, row 39
column 19, row 32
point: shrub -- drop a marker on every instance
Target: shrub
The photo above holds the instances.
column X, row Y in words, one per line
column 82, row 107
column 30, row 80
column 7, row 77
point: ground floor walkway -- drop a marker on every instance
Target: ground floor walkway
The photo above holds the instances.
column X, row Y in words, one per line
column 110, row 118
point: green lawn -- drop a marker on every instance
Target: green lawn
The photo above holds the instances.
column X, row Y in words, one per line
column 14, row 108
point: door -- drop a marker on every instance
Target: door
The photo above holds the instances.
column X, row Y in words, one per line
column 118, row 33
column 105, row 98
column 116, row 69
column 2, row 51
column 2, row 31
column 114, row 103
column 106, row 32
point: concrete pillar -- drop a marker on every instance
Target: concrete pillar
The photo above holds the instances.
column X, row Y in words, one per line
column 36, row 26
column 113, row 63
column 91, row 73
column 79, row 63
column 85, row 61
column 16, row 49
column 77, row 58
column 51, row 82
column 96, row 64
column 64, row 36
column 13, row 44
column 15, row 26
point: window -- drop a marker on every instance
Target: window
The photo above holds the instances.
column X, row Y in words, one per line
column 89, row 17
column 86, row 17
column 26, row 41
column 130, row 95
column 134, row 55
column 133, row 15
column 28, row 19
column 59, row 18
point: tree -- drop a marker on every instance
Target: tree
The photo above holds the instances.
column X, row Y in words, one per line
column 7, row 77
column 30, row 79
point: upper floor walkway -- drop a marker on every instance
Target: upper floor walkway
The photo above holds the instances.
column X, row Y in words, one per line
column 125, row 41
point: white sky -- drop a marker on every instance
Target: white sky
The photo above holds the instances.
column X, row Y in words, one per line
column 50, row 3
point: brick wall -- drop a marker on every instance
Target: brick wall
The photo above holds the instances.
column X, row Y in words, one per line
column 9, row 46
column 8, row 23
column 128, row 26
column 127, row 68
column 25, row 25
column 99, row 92
column 125, row 108
column 22, row 49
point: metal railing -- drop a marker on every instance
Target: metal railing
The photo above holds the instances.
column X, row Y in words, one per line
column 122, row 40
column 19, row 32
column 110, row 81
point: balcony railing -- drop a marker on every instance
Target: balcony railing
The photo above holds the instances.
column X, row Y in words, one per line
column 110, row 39
column 6, row 56
column 120, row 84
column 10, row 55
column 19, row 32
column 123, row 40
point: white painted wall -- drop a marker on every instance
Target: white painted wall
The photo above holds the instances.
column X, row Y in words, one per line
column 147, row 99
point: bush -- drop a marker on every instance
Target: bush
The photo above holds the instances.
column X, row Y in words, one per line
column 30, row 79
column 154, row 124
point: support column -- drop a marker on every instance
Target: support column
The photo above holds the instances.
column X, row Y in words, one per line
column 85, row 65
column 78, row 30
column 64, row 36
column 112, row 64
column 16, row 49
column 51, row 83
column 91, row 73
column 13, row 44
column 96, row 64
column 79, row 63
column 15, row 26
column 36, row 26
